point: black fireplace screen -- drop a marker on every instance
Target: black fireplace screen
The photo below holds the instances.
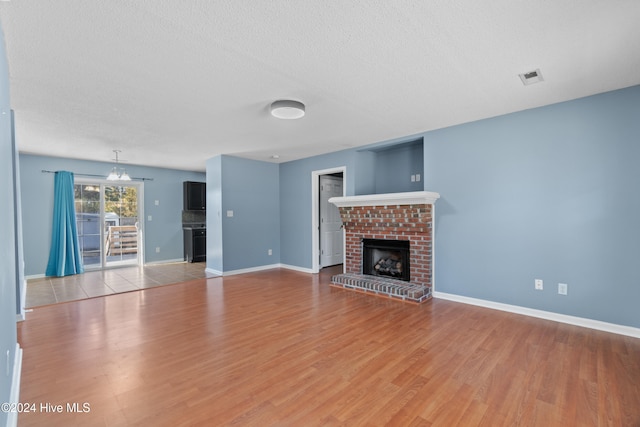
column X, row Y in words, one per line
column 381, row 257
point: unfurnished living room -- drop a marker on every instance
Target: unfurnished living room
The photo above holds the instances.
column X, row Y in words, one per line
column 336, row 213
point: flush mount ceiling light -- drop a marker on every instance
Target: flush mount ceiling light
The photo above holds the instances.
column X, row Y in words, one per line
column 115, row 175
column 287, row 109
column 531, row 77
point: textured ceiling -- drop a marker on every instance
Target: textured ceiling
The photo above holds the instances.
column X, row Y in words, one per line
column 172, row 83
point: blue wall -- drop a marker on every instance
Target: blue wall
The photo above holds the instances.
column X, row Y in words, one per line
column 163, row 231
column 549, row 193
column 249, row 188
column 8, row 336
column 295, row 201
column 362, row 177
column 394, row 167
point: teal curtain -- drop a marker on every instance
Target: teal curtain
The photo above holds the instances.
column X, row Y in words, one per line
column 64, row 257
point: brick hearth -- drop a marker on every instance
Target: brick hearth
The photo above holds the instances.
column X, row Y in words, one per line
column 398, row 216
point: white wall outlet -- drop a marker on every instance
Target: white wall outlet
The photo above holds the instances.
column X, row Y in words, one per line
column 270, row 252
column 562, row 288
column 149, row 218
column 229, row 214
column 413, row 178
column 417, row 177
column 157, row 202
column 538, row 284
column 158, row 250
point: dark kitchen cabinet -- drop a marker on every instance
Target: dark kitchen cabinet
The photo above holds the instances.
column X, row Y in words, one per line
column 195, row 196
column 195, row 244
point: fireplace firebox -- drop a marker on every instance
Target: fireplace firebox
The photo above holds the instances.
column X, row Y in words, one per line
column 384, row 257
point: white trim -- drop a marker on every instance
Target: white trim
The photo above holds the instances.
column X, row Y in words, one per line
column 409, row 198
column 433, row 248
column 244, row 270
column 23, row 314
column 212, row 271
column 259, row 268
column 14, row 394
column 315, row 214
column 142, row 225
column 296, row 268
column 166, row 261
column 556, row 317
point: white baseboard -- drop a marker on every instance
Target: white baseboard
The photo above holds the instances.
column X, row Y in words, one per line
column 296, row 268
column 258, row 268
column 212, row 271
column 244, row 270
column 14, row 395
column 548, row 315
column 165, row 261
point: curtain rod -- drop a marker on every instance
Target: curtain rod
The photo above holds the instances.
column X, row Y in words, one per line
column 99, row 176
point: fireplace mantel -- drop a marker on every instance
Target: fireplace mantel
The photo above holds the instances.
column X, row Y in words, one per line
column 409, row 198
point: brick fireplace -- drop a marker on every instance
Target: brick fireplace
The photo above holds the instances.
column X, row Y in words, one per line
column 399, row 217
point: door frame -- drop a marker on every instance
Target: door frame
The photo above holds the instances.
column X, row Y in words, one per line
column 315, row 214
column 141, row 218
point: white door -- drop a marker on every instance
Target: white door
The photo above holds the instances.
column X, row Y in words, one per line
column 331, row 233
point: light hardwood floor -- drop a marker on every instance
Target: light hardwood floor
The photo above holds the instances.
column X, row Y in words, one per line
column 282, row 348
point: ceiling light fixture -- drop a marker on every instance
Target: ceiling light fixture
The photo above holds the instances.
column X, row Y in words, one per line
column 287, row 109
column 531, row 77
column 114, row 175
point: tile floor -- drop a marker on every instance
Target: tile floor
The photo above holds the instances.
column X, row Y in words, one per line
column 51, row 290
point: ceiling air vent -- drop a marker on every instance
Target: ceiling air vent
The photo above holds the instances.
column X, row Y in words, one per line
column 531, row 77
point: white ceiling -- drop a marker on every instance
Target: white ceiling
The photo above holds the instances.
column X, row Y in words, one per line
column 172, row 83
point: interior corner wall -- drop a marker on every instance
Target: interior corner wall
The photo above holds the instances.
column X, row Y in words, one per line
column 249, row 214
column 8, row 335
column 365, row 173
column 548, row 193
column 214, row 214
column 19, row 247
column 395, row 166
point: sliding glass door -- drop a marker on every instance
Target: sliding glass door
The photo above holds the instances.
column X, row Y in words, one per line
column 108, row 219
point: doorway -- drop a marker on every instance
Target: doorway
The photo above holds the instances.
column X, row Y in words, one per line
column 331, row 239
column 327, row 233
column 108, row 221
